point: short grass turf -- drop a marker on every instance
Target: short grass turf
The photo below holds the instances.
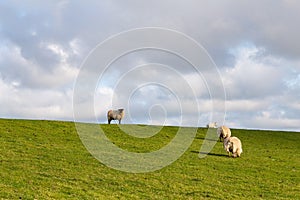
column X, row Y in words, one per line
column 47, row 160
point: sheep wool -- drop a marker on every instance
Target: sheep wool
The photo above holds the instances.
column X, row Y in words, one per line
column 233, row 145
column 223, row 132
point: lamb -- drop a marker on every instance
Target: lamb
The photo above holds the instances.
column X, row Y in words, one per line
column 212, row 125
column 233, row 145
column 115, row 115
column 223, row 132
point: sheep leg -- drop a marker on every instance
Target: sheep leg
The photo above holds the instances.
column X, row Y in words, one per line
column 239, row 153
column 228, row 153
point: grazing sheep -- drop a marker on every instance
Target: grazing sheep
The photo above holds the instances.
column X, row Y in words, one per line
column 233, row 145
column 115, row 115
column 212, row 125
column 223, row 132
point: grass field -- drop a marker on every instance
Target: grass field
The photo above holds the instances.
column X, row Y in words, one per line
column 46, row 160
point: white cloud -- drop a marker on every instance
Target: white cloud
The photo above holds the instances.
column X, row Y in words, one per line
column 58, row 50
column 265, row 121
column 260, row 91
column 245, row 105
column 41, row 104
column 252, row 77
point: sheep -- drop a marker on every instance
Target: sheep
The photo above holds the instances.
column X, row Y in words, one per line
column 233, row 145
column 223, row 132
column 212, row 125
column 115, row 115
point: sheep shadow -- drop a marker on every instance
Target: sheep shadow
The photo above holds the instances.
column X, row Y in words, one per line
column 211, row 154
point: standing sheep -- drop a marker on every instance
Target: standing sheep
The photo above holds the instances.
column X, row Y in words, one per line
column 223, row 132
column 115, row 115
column 233, row 145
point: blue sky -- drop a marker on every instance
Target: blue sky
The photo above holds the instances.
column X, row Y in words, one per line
column 255, row 46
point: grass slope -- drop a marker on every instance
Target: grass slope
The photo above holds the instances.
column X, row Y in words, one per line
column 46, row 160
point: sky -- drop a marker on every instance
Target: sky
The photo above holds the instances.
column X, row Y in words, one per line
column 253, row 45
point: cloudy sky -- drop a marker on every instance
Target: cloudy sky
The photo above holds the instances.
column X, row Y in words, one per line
column 44, row 46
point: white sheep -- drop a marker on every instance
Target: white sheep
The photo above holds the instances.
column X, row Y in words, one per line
column 212, row 125
column 223, row 132
column 233, row 145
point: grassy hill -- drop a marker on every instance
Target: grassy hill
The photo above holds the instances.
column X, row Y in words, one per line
column 46, row 160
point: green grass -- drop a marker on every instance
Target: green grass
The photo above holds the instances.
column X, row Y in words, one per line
column 46, row 160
